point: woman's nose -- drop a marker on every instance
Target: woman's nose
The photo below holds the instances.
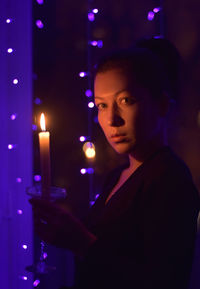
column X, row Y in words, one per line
column 114, row 117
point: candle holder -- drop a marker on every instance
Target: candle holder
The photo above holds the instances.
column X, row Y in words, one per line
column 55, row 193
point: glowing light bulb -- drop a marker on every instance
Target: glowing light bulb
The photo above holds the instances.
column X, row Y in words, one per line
column 91, row 104
column 34, row 127
column 89, row 93
column 95, row 10
column 25, row 247
column 150, row 16
column 94, row 43
column 37, row 101
column 83, row 171
column 90, row 171
column 39, row 24
column 15, row 81
column 91, row 16
column 8, row 20
column 83, row 74
column 36, row 283
column 37, row 178
column 10, row 146
column 156, row 10
column 19, row 212
column 13, row 116
column 10, row 50
column 25, row 278
column 18, row 180
column 89, row 150
column 40, row 2
column 82, row 138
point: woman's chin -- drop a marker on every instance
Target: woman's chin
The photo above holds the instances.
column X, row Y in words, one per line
column 122, row 147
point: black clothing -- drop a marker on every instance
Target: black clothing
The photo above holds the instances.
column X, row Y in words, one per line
column 146, row 232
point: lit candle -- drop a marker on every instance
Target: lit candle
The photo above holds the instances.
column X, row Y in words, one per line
column 44, row 142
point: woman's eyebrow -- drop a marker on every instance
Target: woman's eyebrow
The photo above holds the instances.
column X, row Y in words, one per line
column 115, row 94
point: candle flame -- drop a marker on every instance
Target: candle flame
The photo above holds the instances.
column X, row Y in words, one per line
column 42, row 122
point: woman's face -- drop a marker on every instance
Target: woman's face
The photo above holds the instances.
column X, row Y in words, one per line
column 127, row 113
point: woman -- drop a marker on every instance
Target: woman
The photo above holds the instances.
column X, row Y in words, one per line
column 140, row 232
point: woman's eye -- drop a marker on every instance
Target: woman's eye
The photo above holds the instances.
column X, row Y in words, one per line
column 127, row 100
column 101, row 106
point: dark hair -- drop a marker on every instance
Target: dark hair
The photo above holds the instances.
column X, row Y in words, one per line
column 153, row 63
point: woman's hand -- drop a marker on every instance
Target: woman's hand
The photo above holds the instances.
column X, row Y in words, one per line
column 56, row 226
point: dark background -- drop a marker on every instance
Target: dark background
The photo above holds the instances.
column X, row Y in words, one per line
column 60, row 53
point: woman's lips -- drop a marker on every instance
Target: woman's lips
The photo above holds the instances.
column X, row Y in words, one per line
column 118, row 138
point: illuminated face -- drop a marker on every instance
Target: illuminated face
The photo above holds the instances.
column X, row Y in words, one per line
column 127, row 113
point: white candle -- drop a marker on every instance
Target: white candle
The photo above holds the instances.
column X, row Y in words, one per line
column 44, row 143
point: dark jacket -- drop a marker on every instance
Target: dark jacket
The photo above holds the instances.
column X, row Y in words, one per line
column 146, row 232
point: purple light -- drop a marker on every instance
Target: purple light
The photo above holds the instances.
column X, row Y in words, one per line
column 96, row 119
column 18, row 180
column 15, row 81
column 100, row 43
column 10, row 146
column 96, row 197
column 34, row 127
column 10, row 50
column 8, row 20
column 156, row 10
column 40, row 2
column 150, row 16
column 37, row 101
column 91, row 16
column 92, row 203
column 88, row 93
column 24, row 278
column 37, row 178
column 36, row 283
column 39, row 24
column 82, row 138
column 19, row 212
column 95, row 10
column 91, row 104
column 90, row 171
column 83, row 171
column 158, row 37
column 82, row 74
column 94, row 43
column 45, row 255
column 25, row 247
column 13, row 116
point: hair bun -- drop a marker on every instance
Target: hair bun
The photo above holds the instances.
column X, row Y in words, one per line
column 168, row 55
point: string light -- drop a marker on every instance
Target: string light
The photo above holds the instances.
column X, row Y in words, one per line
column 18, row 180
column 36, row 283
column 39, row 24
column 13, row 116
column 15, row 81
column 8, row 20
column 19, row 212
column 91, row 104
column 150, row 15
column 83, row 74
column 83, row 171
column 10, row 50
column 89, row 150
column 37, row 178
column 11, row 146
column 89, row 93
column 82, row 138
column 91, row 16
column 40, row 2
